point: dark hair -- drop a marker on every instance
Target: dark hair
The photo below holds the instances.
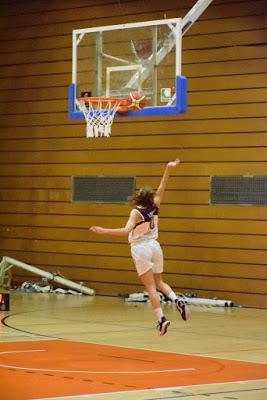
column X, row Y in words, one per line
column 145, row 197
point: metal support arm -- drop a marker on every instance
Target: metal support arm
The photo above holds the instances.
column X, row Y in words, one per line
column 8, row 263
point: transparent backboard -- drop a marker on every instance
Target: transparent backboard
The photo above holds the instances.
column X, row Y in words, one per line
column 145, row 57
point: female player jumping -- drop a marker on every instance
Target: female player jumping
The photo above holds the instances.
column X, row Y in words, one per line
column 142, row 231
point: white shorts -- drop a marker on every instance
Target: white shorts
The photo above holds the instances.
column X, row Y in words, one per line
column 146, row 255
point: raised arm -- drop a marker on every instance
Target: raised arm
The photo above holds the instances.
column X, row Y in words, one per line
column 161, row 189
column 132, row 221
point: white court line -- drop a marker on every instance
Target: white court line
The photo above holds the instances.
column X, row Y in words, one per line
column 84, row 371
column 19, row 351
column 98, row 372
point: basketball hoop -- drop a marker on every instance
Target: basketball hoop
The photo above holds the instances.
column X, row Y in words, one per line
column 99, row 113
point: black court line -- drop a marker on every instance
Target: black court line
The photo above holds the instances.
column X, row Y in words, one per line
column 183, row 395
column 3, row 322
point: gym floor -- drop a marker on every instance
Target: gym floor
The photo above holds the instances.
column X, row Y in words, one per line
column 80, row 347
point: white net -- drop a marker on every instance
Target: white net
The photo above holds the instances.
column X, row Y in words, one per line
column 99, row 115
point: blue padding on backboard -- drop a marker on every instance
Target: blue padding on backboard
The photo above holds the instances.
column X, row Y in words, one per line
column 179, row 108
column 71, row 107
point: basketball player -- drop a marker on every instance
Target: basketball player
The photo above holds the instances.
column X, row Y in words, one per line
column 142, row 231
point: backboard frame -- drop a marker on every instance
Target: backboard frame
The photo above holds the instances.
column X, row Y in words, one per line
column 180, row 95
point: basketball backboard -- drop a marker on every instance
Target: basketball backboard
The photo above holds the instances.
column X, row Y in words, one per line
column 112, row 61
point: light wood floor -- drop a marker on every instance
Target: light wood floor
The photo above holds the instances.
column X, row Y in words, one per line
column 227, row 333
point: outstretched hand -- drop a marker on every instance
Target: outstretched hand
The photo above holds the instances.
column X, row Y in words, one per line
column 174, row 163
column 97, row 229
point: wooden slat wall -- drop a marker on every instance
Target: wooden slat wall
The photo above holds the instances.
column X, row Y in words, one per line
column 211, row 250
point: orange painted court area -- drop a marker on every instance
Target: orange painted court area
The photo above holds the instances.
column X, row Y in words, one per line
column 32, row 370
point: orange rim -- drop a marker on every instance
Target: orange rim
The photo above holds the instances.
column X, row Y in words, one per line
column 105, row 100
column 100, row 100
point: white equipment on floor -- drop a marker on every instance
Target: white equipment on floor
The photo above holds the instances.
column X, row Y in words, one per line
column 7, row 263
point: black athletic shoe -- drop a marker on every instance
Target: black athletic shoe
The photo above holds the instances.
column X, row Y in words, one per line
column 163, row 326
column 183, row 309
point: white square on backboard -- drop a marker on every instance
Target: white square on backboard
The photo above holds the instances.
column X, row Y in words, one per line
column 165, row 95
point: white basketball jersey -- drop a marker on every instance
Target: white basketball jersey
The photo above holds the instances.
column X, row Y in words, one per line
column 147, row 228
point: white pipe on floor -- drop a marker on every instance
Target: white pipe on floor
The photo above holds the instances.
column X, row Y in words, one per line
column 45, row 274
column 208, row 302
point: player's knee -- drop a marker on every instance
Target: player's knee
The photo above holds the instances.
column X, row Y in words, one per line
column 152, row 292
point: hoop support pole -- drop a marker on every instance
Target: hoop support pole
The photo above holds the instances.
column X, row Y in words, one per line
column 52, row 277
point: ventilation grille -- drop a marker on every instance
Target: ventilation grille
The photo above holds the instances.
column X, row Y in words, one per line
column 102, row 189
column 239, row 189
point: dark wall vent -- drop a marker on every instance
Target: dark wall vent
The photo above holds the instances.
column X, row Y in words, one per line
column 102, row 189
column 238, row 189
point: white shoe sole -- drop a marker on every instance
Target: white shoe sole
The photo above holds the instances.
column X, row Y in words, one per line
column 164, row 328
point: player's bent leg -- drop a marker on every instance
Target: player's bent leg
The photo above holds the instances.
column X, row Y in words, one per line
column 180, row 305
column 162, row 286
column 149, row 283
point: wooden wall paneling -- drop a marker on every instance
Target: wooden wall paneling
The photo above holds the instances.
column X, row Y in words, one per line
column 198, row 112
column 195, row 98
column 7, row 6
column 38, row 56
column 230, row 226
column 85, row 263
column 38, row 69
column 200, row 69
column 230, row 67
column 185, row 212
column 179, row 183
column 197, row 87
column 196, row 55
column 93, row 12
column 63, row 43
column 61, row 246
column 177, row 238
column 107, row 289
column 204, row 268
column 158, row 155
column 203, row 283
column 36, row 94
column 124, row 129
column 86, row 11
column 188, row 168
column 116, row 276
column 209, row 254
column 179, row 136
column 192, row 197
column 18, row 7
column 80, row 17
column 35, row 183
column 228, row 96
column 47, row 80
column 227, row 82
